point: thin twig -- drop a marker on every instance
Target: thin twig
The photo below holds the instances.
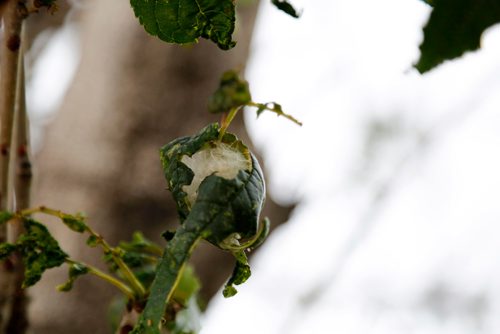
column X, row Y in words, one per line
column 13, row 14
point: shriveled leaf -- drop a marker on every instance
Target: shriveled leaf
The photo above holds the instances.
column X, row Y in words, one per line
column 184, row 21
column 233, row 92
column 75, row 270
column 455, row 27
column 39, row 251
column 286, row 7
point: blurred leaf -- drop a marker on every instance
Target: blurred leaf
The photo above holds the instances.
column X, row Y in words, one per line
column 75, row 223
column 455, row 27
column 233, row 92
column 187, row 287
column 92, row 241
column 141, row 244
column 39, row 251
column 187, row 320
column 184, row 21
column 5, row 216
column 75, row 270
column 6, row 249
column 286, row 7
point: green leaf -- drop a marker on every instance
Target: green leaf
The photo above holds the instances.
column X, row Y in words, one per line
column 286, row 7
column 75, row 223
column 184, row 21
column 6, row 249
column 5, row 216
column 187, row 287
column 141, row 244
column 240, row 274
column 455, row 27
column 75, row 270
column 224, row 208
column 236, row 203
column 233, row 92
column 92, row 241
column 39, row 250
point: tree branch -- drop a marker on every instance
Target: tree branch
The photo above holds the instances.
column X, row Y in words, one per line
column 13, row 14
column 18, row 321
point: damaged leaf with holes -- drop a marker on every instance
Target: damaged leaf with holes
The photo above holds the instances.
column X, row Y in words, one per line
column 38, row 249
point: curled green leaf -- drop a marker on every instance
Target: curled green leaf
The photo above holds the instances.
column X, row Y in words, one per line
column 6, row 249
column 236, row 202
column 219, row 190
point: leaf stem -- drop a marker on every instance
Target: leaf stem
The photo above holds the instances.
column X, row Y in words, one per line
column 107, row 248
column 227, row 121
column 108, row 278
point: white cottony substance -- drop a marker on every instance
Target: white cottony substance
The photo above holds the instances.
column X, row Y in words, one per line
column 222, row 160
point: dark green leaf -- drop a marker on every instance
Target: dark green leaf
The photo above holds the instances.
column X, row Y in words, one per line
column 92, row 241
column 39, row 250
column 75, row 270
column 455, row 27
column 286, row 7
column 224, row 208
column 184, row 21
column 75, row 223
column 240, row 274
column 6, row 249
column 5, row 216
column 235, row 203
column 233, row 92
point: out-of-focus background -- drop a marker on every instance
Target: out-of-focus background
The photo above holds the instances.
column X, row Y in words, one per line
column 393, row 177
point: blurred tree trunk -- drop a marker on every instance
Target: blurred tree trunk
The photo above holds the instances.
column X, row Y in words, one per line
column 132, row 94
